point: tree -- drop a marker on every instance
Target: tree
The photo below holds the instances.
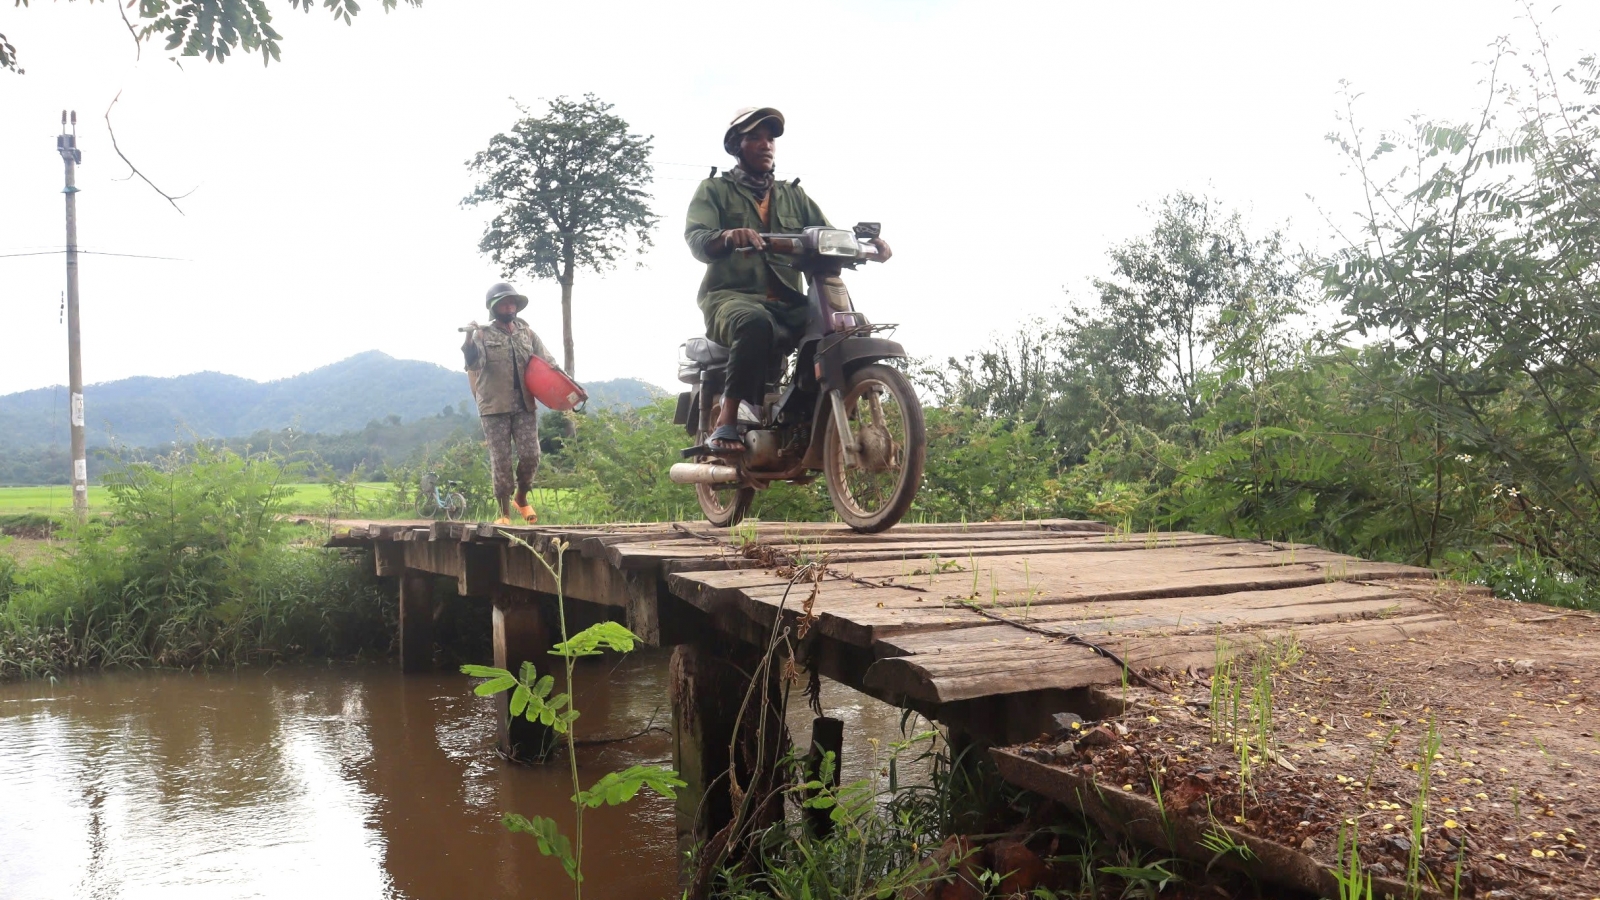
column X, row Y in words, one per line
column 569, row 192
column 1194, row 295
column 209, row 28
column 1187, row 290
column 1477, row 269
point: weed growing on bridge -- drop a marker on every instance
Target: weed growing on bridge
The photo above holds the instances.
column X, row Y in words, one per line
column 1241, row 702
column 1355, row 883
column 532, row 698
column 1419, row 806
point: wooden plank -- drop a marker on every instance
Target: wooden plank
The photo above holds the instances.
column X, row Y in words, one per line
column 1035, row 583
column 436, row 557
column 1128, row 814
column 1116, row 567
column 917, row 555
column 588, row 579
column 1041, row 664
column 894, row 630
column 1001, row 638
column 1184, row 615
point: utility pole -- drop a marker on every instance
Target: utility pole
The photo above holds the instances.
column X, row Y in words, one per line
column 67, row 146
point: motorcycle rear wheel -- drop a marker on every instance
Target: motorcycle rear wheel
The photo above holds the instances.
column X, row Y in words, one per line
column 886, row 423
column 724, row 505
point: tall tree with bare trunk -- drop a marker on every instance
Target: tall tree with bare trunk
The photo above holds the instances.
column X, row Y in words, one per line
column 569, row 191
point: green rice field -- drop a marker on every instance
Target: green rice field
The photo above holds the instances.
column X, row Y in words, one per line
column 375, row 499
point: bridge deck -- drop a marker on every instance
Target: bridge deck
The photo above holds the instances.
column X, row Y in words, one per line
column 991, row 628
column 933, row 615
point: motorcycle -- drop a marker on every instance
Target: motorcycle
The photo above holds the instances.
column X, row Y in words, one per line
column 840, row 409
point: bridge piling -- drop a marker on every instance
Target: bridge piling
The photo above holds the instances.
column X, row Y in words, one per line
column 416, row 621
column 524, row 631
column 710, row 683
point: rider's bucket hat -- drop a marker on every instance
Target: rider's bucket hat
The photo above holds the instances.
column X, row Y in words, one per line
column 745, row 121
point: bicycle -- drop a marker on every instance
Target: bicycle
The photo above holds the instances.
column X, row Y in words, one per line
column 431, row 502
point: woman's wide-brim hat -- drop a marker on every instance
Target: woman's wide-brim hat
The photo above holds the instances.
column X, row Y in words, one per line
column 500, row 292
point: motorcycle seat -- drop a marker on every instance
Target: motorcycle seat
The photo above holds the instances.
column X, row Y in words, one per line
column 705, row 351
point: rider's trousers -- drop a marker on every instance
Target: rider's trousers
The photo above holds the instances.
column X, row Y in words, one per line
column 748, row 328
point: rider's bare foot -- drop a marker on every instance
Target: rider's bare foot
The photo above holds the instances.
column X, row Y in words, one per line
column 726, row 440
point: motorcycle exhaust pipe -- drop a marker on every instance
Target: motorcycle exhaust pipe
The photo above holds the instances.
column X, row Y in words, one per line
column 702, row 473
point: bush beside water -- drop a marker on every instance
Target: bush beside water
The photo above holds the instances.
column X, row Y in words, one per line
column 194, row 565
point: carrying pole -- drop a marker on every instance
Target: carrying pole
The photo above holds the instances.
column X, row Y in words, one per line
column 67, row 146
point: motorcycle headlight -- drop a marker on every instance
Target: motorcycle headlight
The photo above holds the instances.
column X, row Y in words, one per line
column 835, row 242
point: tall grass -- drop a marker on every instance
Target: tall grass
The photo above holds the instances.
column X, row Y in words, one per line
column 193, row 566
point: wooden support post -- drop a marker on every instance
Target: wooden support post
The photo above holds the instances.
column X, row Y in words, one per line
column 709, row 685
column 416, row 621
column 523, row 632
column 827, row 736
column 389, row 557
column 479, row 568
column 643, row 613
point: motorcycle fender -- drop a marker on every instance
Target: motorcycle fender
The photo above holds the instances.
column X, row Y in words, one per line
column 689, row 406
column 819, row 431
column 838, row 361
column 851, row 353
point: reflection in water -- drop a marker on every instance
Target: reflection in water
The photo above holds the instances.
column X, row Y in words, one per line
column 348, row 782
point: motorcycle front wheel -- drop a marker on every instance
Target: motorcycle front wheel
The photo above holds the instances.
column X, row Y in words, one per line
column 885, row 420
column 724, row 505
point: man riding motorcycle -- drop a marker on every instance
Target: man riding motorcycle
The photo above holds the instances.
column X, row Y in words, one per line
column 754, row 304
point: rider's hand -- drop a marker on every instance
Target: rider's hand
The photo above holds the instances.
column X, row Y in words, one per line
column 734, row 238
column 883, row 249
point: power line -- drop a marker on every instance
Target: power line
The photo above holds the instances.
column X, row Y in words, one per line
column 97, row 253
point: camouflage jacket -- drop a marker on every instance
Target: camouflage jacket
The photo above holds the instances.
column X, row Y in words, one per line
column 721, row 204
column 496, row 360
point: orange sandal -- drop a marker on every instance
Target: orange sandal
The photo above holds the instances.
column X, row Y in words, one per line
column 528, row 514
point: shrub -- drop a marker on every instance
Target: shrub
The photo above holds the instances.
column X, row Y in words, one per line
column 194, row 566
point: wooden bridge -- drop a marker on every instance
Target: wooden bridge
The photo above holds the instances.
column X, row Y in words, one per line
column 988, row 629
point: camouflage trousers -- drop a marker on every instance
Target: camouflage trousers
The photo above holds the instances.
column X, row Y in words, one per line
column 505, row 430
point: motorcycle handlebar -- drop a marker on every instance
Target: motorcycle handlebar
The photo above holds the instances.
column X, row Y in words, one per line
column 793, row 239
column 796, row 245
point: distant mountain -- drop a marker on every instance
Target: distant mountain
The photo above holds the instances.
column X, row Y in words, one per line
column 630, row 393
column 342, row 397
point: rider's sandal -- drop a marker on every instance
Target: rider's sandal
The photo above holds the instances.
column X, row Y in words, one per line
column 528, row 513
column 728, row 434
column 502, row 521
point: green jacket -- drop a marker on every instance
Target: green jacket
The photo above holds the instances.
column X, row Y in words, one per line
column 721, row 204
column 495, row 363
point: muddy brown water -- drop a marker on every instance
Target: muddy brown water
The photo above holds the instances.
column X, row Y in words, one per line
column 339, row 781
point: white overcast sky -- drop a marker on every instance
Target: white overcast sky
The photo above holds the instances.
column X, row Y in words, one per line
column 1004, row 146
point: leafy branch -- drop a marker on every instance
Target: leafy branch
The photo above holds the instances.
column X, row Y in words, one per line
column 533, row 697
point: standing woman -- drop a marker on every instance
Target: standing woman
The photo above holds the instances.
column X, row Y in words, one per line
column 497, row 354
